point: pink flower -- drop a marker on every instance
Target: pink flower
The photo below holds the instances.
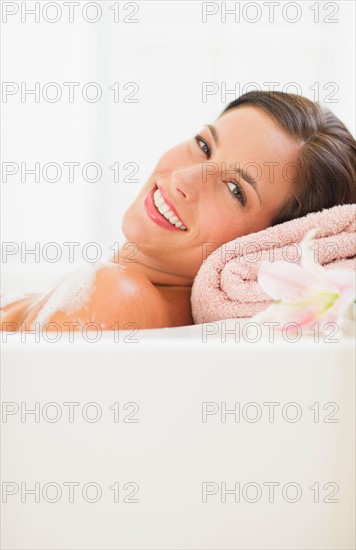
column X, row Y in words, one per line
column 307, row 292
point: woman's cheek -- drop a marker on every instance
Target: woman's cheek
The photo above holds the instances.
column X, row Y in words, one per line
column 172, row 159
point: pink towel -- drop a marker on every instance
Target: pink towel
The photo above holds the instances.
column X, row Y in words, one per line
column 226, row 283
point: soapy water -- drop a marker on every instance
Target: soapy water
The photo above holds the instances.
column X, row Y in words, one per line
column 12, row 297
column 72, row 293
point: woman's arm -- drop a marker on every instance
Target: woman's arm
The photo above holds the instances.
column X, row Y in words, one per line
column 14, row 311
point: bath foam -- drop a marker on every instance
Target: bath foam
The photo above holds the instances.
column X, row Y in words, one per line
column 10, row 297
column 71, row 294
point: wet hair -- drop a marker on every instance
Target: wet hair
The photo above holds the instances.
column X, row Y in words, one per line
column 326, row 159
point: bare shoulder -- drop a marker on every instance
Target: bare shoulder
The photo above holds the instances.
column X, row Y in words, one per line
column 118, row 297
column 153, row 308
column 138, row 300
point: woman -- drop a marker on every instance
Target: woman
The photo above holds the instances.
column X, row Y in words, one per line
column 270, row 157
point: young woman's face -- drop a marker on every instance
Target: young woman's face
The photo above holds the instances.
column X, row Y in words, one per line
column 197, row 185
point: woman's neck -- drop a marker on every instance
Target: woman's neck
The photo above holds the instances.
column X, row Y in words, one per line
column 174, row 290
column 144, row 265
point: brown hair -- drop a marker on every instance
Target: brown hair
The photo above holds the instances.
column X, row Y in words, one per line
column 326, row 163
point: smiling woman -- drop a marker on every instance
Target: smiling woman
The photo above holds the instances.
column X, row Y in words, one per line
column 270, row 157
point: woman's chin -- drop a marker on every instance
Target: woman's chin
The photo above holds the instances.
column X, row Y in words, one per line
column 135, row 228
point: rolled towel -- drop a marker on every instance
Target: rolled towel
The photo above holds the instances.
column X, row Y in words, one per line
column 226, row 284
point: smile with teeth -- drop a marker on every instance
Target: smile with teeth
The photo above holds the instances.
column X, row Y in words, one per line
column 165, row 210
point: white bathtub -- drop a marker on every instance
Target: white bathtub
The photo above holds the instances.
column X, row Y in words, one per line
column 166, row 448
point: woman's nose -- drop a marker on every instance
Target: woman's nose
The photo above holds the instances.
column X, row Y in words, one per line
column 191, row 181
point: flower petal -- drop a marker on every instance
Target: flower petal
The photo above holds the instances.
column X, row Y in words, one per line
column 343, row 280
column 308, row 261
column 301, row 314
column 284, row 280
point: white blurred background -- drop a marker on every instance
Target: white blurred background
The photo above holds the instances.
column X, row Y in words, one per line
column 168, row 50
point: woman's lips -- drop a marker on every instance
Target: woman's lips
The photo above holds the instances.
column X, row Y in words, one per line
column 168, row 202
column 155, row 215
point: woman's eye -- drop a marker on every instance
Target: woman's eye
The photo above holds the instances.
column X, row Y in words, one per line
column 205, row 148
column 235, row 189
column 237, row 192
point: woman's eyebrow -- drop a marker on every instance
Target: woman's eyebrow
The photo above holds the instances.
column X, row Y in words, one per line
column 214, row 133
column 240, row 171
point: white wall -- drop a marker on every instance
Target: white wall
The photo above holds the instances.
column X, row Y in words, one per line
column 169, row 53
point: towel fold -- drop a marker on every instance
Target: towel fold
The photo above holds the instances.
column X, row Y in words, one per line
column 226, row 283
